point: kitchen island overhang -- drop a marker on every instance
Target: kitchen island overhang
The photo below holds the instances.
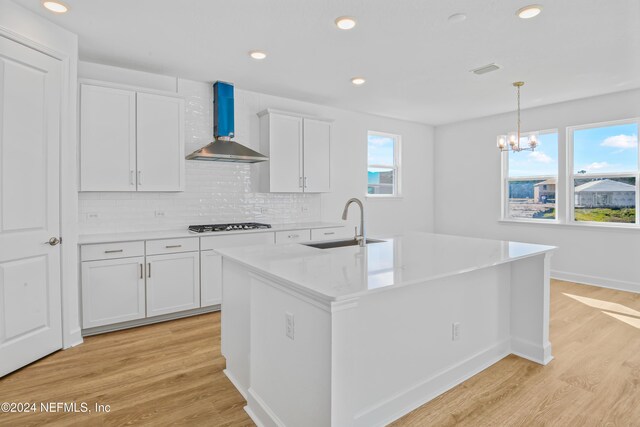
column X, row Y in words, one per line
column 361, row 336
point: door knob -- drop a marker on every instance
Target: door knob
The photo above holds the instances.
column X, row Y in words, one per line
column 53, row 241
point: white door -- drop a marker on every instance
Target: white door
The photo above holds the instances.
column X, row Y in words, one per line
column 30, row 305
column 210, row 278
column 112, row 291
column 107, row 139
column 173, row 283
column 285, row 153
column 160, row 143
column 317, row 160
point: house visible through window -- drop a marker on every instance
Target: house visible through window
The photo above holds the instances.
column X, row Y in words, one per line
column 383, row 171
column 531, row 179
column 605, row 172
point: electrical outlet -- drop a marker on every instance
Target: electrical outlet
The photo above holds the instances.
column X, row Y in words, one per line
column 290, row 326
column 455, row 331
column 160, row 214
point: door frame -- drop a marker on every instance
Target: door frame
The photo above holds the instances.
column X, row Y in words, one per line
column 29, row 29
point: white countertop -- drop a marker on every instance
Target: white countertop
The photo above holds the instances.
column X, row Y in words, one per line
column 86, row 239
column 348, row 272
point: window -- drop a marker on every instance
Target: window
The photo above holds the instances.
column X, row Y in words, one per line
column 604, row 173
column 383, row 170
column 531, row 179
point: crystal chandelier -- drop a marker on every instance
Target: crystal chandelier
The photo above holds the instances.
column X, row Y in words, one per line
column 514, row 137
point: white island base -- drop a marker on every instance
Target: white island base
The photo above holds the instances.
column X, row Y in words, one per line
column 376, row 332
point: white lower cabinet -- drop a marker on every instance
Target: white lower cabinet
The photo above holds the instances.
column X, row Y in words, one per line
column 113, row 291
column 173, row 283
column 210, row 279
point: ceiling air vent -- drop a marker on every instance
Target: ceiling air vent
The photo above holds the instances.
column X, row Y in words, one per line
column 485, row 69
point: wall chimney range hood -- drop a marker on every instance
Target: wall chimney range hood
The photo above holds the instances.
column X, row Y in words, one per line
column 223, row 149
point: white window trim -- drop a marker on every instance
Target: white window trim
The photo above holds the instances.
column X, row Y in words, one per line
column 505, row 179
column 397, row 169
column 570, row 187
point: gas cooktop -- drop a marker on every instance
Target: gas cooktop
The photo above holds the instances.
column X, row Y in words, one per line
column 227, row 227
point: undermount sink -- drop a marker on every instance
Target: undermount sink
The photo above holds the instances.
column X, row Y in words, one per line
column 340, row 243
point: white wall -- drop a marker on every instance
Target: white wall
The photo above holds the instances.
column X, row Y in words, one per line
column 226, row 192
column 467, row 166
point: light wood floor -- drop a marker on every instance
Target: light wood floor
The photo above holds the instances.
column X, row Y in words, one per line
column 171, row 374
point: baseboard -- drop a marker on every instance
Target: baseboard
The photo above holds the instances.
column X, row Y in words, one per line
column 620, row 285
column 148, row 321
column 73, row 339
column 235, row 383
column 530, row 351
column 389, row 410
column 260, row 412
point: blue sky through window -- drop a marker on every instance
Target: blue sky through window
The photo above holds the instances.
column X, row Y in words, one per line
column 541, row 162
column 380, row 150
column 606, row 149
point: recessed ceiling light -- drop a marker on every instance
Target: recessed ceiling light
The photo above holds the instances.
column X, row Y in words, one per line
column 358, row 81
column 257, row 54
column 55, row 6
column 457, row 17
column 345, row 22
column 530, row 11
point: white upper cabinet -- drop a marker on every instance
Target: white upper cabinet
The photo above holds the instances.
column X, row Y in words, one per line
column 316, row 162
column 130, row 141
column 108, row 139
column 299, row 153
column 160, row 145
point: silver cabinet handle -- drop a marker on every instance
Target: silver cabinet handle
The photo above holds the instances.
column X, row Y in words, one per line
column 300, row 182
column 114, row 251
column 131, row 177
column 305, row 182
column 53, row 241
column 330, row 233
column 149, row 270
column 293, row 236
column 141, row 271
column 173, row 246
column 139, row 177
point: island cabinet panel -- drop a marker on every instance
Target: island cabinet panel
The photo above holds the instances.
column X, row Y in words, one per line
column 297, row 359
column 210, row 278
column 173, row 283
column 113, row 291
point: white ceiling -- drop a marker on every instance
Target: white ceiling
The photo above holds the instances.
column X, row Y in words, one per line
column 416, row 62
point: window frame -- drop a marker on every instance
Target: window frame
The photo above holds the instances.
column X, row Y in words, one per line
column 397, row 166
column 571, row 175
column 505, row 180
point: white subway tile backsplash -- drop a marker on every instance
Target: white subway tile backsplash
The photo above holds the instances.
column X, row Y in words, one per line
column 215, row 192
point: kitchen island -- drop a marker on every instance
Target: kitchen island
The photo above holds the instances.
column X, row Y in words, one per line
column 354, row 336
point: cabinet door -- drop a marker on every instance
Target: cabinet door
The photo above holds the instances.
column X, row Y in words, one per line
column 317, row 141
column 107, row 139
column 211, row 278
column 173, row 283
column 160, row 143
column 112, row 291
column 285, row 153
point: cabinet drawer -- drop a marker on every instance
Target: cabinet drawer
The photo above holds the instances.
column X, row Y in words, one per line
column 172, row 246
column 293, row 236
column 235, row 240
column 111, row 250
column 335, row 233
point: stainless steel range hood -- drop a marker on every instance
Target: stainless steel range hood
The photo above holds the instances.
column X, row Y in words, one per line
column 223, row 149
